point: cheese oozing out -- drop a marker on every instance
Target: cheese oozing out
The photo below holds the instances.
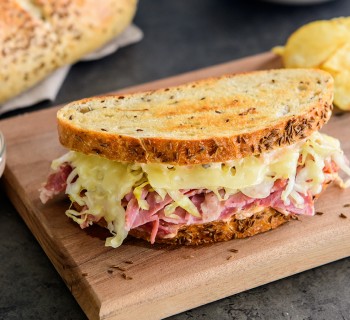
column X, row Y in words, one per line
column 99, row 185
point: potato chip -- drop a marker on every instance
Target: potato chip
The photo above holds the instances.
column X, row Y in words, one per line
column 342, row 90
column 326, row 45
column 344, row 20
column 312, row 44
column 339, row 60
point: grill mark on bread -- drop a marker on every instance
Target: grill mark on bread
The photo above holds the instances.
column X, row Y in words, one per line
column 250, row 110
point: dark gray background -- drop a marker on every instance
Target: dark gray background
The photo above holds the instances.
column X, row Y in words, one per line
column 180, row 35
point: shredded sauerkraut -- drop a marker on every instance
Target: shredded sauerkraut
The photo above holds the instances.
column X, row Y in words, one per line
column 99, row 185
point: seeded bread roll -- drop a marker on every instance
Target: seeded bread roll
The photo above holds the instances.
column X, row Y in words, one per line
column 37, row 37
column 212, row 120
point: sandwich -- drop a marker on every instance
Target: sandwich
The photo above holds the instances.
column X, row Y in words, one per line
column 207, row 161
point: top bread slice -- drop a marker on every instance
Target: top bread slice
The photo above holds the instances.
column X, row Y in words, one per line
column 212, row 120
column 37, row 37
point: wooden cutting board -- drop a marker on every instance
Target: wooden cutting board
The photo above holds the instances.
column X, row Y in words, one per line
column 160, row 281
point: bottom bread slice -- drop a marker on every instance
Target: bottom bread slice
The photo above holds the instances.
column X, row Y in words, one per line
column 217, row 231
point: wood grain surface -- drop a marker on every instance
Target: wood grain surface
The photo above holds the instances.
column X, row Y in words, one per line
column 141, row 281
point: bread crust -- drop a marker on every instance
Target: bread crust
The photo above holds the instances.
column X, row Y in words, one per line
column 216, row 231
column 40, row 36
column 250, row 135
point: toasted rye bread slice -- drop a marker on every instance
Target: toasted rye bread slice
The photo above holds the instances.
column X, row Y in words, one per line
column 212, row 120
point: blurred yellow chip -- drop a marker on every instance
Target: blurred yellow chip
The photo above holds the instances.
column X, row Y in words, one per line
column 344, row 20
column 312, row 44
column 342, row 90
column 339, row 60
column 326, row 45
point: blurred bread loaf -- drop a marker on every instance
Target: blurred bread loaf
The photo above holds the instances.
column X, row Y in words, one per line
column 39, row 36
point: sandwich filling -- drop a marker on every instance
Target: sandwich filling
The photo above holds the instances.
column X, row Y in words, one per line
column 160, row 198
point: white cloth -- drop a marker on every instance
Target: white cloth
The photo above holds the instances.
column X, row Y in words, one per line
column 50, row 86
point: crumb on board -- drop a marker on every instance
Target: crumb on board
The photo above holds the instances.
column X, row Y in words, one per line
column 126, row 277
column 118, row 268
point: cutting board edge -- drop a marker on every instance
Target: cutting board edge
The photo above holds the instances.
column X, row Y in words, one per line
column 67, row 271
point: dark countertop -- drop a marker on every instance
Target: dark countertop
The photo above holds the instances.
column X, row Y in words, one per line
column 180, row 36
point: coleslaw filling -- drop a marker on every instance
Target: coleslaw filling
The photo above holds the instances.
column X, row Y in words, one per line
column 102, row 187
